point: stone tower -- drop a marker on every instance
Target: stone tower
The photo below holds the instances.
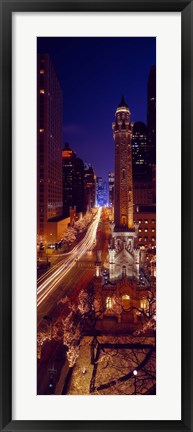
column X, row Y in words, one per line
column 123, row 256
column 122, row 134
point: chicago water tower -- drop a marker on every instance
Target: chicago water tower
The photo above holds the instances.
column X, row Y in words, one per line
column 123, row 256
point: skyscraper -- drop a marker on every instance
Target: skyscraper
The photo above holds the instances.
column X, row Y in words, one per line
column 89, row 187
column 73, row 181
column 139, row 147
column 111, row 179
column 101, row 192
column 151, row 115
column 49, row 144
column 142, row 169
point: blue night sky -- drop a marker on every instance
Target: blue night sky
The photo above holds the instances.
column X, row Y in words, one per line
column 94, row 73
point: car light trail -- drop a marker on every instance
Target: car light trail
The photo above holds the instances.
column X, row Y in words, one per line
column 53, row 278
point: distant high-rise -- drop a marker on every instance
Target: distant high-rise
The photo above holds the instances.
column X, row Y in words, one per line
column 49, row 144
column 89, row 187
column 151, row 115
column 73, row 181
column 101, row 192
column 111, row 179
column 139, row 148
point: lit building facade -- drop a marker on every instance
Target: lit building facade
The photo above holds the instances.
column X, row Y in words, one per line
column 111, row 180
column 123, row 255
column 122, row 134
column 49, row 145
column 101, row 192
column 145, row 218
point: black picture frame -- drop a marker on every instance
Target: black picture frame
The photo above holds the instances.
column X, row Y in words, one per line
column 6, row 9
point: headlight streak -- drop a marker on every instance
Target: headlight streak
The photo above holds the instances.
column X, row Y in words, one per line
column 65, row 254
column 52, row 281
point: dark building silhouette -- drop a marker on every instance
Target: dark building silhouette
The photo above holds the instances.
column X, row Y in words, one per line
column 49, row 145
column 143, row 189
column 142, row 169
column 89, row 187
column 151, row 115
column 73, row 181
column 139, row 148
column 144, row 150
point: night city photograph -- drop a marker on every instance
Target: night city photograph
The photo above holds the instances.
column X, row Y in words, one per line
column 96, row 216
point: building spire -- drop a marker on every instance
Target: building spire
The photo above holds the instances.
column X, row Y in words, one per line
column 123, row 103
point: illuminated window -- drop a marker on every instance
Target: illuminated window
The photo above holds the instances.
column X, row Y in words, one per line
column 143, row 304
column 140, row 229
column 42, row 91
column 146, row 229
column 140, row 238
column 108, row 302
column 125, row 297
column 41, row 130
column 41, row 71
column 146, row 221
column 153, row 230
column 153, row 221
column 139, row 221
column 153, row 239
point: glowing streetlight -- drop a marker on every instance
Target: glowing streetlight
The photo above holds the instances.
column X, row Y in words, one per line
column 135, row 378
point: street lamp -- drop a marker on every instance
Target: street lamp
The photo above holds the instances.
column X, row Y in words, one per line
column 135, row 378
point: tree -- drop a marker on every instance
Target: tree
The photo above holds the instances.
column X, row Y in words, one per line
column 112, row 357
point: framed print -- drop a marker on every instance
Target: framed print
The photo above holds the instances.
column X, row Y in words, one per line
column 96, row 215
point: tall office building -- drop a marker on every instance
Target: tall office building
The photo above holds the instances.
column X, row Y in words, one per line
column 151, row 115
column 89, row 187
column 139, row 148
column 49, row 144
column 123, row 256
column 101, row 192
column 111, row 180
column 142, row 169
column 73, row 181
column 105, row 193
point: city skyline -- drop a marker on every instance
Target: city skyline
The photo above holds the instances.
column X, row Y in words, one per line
column 96, row 251
column 89, row 73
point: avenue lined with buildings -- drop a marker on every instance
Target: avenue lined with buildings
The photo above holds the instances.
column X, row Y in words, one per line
column 96, row 253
